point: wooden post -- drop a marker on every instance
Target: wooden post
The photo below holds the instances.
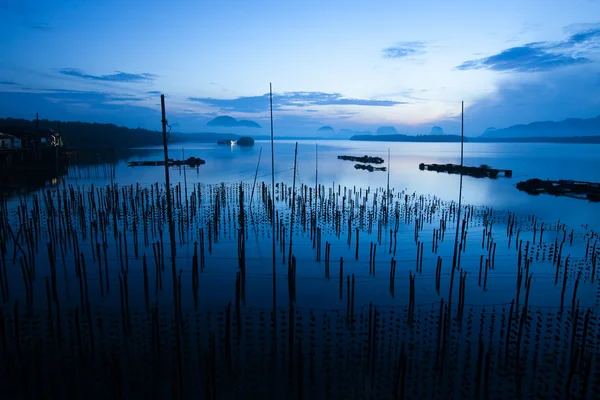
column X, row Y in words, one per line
column 255, row 175
column 293, row 206
column 171, row 230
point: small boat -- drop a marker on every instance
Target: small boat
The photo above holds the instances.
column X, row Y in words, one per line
column 226, row 142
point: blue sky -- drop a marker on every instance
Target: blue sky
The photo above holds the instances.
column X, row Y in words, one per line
column 349, row 64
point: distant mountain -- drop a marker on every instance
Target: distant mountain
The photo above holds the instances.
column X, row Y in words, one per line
column 326, row 129
column 408, row 138
column 549, row 129
column 386, row 130
column 538, row 139
column 230, row 122
column 436, row 130
column 489, row 132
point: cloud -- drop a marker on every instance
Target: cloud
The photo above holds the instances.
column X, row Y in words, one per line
column 154, row 92
column 528, row 58
column 78, row 106
column 589, row 34
column 65, row 96
column 549, row 96
column 577, row 49
column 403, row 50
column 116, row 77
column 42, row 26
column 7, row 83
column 256, row 104
column 125, row 98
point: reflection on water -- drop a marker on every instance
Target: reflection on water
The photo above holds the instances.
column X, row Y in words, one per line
column 25, row 182
column 231, row 164
column 92, row 262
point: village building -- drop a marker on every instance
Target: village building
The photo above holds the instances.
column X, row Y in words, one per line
column 9, row 142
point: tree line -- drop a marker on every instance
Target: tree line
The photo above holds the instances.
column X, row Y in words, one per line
column 86, row 134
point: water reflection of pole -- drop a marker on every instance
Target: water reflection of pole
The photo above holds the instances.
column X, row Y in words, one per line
column 387, row 199
column 274, row 337
column 273, row 196
column 316, row 183
column 454, row 257
column 293, row 207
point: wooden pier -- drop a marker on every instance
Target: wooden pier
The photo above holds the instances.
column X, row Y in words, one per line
column 190, row 162
column 575, row 189
column 483, row 171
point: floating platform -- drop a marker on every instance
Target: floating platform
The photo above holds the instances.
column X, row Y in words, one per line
column 575, row 189
column 364, row 159
column 369, row 168
column 483, row 171
column 190, row 162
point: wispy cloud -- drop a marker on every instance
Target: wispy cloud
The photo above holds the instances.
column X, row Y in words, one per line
column 42, row 26
column 118, row 76
column 590, row 34
column 404, row 49
column 541, row 56
column 528, row 58
column 9, row 83
column 154, row 92
column 256, row 104
column 79, row 96
column 549, row 96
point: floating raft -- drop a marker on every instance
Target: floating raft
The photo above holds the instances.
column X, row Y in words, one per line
column 364, row 159
column 369, row 168
column 576, row 189
column 483, row 171
column 190, row 162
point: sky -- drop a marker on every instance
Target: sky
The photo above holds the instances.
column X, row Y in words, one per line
column 348, row 64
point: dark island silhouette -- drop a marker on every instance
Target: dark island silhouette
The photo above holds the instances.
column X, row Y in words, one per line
column 572, row 130
column 245, row 141
column 386, row 130
column 326, row 129
column 436, row 130
column 230, row 122
column 88, row 135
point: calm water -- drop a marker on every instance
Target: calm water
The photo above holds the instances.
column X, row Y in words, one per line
column 234, row 165
column 544, row 161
